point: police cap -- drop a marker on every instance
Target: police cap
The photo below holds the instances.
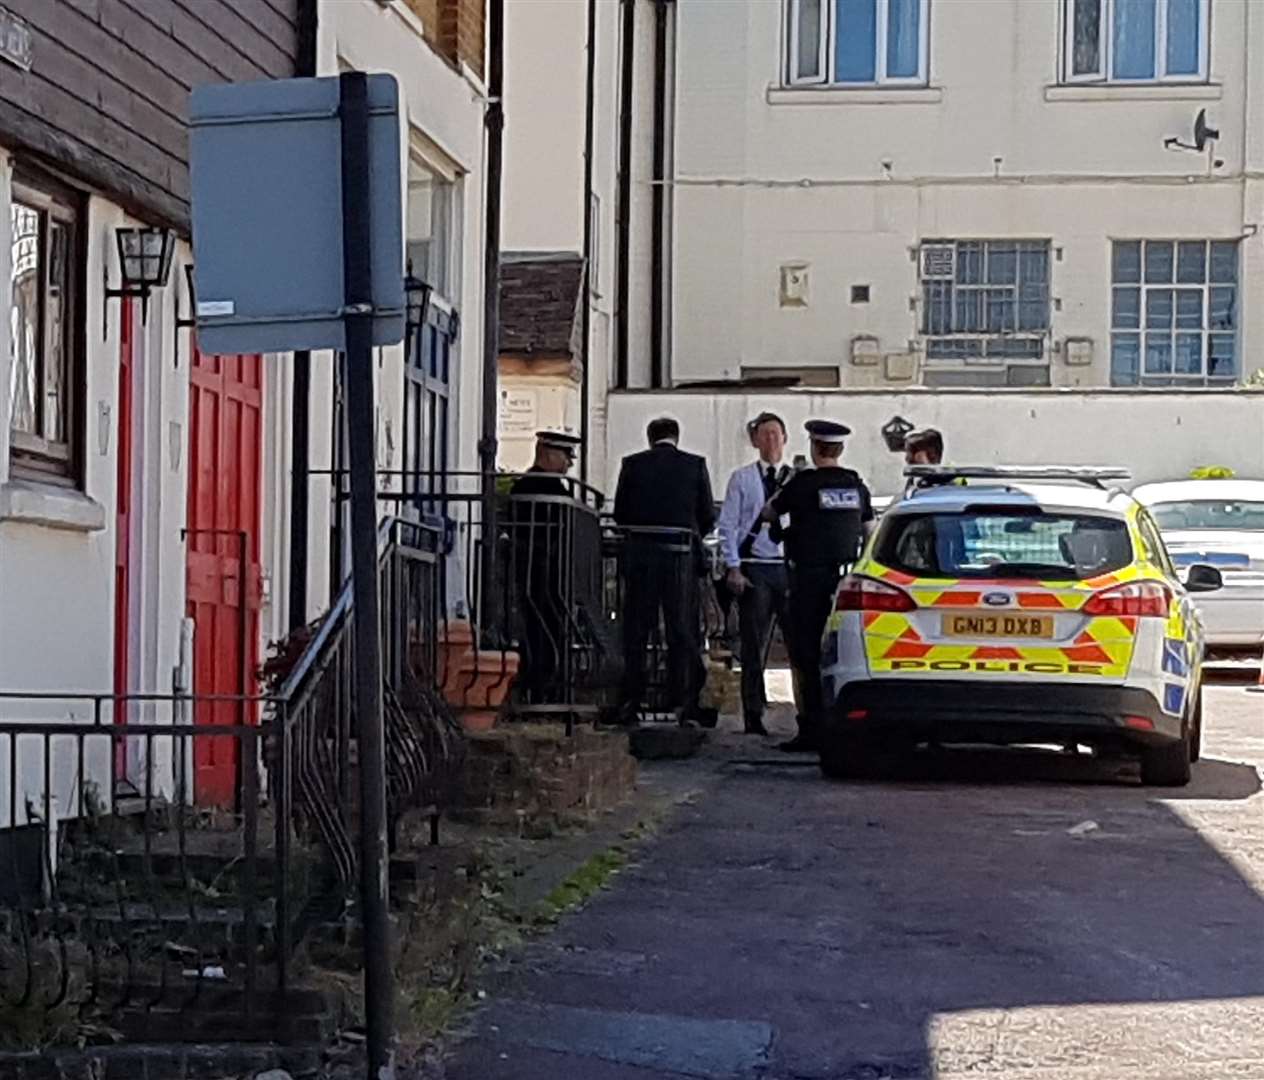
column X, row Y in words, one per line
column 558, row 440
column 827, row 431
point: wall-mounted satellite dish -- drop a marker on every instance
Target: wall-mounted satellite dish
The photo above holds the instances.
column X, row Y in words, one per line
column 1202, row 135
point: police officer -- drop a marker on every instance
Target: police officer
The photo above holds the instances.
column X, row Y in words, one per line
column 830, row 515
column 538, row 521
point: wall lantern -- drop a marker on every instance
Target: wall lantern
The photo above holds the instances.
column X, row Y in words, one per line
column 145, row 262
column 416, row 308
column 182, row 323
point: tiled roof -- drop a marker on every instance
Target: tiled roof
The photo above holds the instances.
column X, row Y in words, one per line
column 539, row 303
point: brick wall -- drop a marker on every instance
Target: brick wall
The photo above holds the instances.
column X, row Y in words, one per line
column 455, row 28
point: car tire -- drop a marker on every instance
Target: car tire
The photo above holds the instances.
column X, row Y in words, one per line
column 1167, row 765
column 842, row 759
column 1196, row 726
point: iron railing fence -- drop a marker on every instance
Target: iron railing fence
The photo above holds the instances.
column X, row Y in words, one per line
column 122, row 890
column 424, row 742
column 119, row 890
column 539, row 631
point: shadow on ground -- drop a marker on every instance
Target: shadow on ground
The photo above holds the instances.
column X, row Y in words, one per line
column 786, row 927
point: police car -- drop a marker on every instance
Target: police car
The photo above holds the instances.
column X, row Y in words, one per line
column 1017, row 606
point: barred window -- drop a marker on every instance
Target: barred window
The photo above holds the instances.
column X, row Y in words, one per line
column 1174, row 312
column 986, row 303
column 45, row 323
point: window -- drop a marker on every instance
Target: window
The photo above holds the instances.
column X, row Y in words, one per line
column 430, row 205
column 857, row 42
column 1136, row 40
column 1174, row 312
column 1004, row 543
column 594, row 230
column 1155, row 549
column 45, row 342
column 985, row 304
column 427, row 378
column 1236, row 515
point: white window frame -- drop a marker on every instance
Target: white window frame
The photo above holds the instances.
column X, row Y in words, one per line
column 827, row 50
column 1106, row 56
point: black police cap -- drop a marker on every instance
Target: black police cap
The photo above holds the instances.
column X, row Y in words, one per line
column 827, row 431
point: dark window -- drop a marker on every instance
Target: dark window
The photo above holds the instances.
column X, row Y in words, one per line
column 427, row 377
column 45, row 330
column 986, row 312
column 1004, row 543
column 860, row 294
column 1174, row 312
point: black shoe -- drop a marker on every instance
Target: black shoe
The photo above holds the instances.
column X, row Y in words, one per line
column 755, row 726
column 799, row 745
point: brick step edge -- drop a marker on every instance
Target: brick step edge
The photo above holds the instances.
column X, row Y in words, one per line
column 165, row 1061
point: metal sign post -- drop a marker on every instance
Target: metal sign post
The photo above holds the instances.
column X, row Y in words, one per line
column 379, row 985
column 319, row 265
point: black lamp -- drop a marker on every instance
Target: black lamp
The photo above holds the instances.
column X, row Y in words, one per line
column 145, row 262
column 416, row 308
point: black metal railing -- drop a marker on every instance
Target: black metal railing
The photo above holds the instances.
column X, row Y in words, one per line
column 424, row 743
column 539, row 632
column 120, row 892
column 129, row 884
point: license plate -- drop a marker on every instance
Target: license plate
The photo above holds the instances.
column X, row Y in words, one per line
column 998, row 626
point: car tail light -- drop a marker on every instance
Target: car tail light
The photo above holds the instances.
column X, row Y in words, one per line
column 1144, row 598
column 859, row 593
column 1139, row 723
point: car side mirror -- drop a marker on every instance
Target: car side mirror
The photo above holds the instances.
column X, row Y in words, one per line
column 1203, row 578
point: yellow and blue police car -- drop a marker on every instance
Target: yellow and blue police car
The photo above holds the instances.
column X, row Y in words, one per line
column 1005, row 605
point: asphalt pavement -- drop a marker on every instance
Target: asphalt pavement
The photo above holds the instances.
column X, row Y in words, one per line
column 981, row 915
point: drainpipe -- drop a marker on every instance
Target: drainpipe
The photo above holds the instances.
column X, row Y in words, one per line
column 656, row 225
column 585, row 315
column 300, row 405
column 495, row 124
column 623, row 270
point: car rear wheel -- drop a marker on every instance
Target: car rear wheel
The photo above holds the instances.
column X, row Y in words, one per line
column 1196, row 726
column 1168, row 765
column 842, row 759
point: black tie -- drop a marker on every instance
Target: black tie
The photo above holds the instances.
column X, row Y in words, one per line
column 770, row 481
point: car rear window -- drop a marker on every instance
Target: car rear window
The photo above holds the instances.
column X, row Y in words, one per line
column 1210, row 514
column 1000, row 543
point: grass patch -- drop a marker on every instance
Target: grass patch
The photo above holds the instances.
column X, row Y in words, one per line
column 583, row 884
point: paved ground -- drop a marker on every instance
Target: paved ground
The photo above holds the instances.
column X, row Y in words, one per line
column 993, row 916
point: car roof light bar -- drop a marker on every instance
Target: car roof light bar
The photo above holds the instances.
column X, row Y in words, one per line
column 1094, row 475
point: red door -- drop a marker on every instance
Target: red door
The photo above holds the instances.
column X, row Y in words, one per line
column 225, row 410
column 123, row 532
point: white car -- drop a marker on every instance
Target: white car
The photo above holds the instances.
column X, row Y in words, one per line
column 1220, row 523
column 1024, row 606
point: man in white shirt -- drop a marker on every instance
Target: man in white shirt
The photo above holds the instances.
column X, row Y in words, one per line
column 756, row 570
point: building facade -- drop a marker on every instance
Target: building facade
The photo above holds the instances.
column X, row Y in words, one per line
column 553, row 120
column 146, row 489
column 990, row 193
column 129, row 465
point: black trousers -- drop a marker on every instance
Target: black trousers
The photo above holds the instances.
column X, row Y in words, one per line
column 764, row 598
column 542, row 620
column 657, row 577
column 812, row 591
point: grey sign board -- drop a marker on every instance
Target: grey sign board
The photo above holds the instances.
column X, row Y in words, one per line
column 266, row 177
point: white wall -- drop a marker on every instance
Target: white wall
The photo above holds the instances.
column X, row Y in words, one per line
column 543, row 203
column 1158, row 435
column 57, row 547
column 442, row 126
column 545, row 89
column 765, row 176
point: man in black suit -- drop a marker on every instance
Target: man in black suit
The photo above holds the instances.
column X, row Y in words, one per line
column 663, row 502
